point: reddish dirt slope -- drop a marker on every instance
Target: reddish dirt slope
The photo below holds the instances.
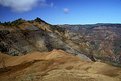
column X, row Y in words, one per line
column 56, row 65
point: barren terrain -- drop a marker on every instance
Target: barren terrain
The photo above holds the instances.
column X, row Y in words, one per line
column 56, row 65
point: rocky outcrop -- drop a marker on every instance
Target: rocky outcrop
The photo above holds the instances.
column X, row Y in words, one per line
column 35, row 35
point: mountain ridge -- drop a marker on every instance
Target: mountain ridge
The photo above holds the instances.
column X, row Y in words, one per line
column 100, row 41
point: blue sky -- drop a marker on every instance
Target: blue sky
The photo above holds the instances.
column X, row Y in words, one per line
column 62, row 11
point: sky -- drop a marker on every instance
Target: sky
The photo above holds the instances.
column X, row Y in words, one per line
column 62, row 11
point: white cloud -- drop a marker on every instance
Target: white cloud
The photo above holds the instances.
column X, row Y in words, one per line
column 51, row 4
column 22, row 5
column 66, row 10
column 46, row 4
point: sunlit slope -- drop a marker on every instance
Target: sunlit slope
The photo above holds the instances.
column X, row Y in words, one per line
column 56, row 65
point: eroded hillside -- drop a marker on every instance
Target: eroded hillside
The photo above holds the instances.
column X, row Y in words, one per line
column 56, row 65
column 90, row 42
column 21, row 37
column 103, row 41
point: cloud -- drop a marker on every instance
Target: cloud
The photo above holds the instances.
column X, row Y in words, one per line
column 44, row 4
column 66, row 10
column 51, row 4
column 22, row 5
